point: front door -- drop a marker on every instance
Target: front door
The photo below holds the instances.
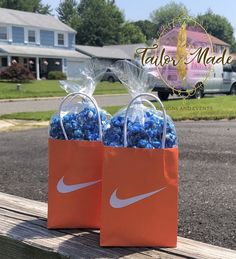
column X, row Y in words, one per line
column 43, row 68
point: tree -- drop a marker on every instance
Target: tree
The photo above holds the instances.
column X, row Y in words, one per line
column 218, row 26
column 35, row 6
column 131, row 33
column 233, row 46
column 43, row 9
column 167, row 13
column 68, row 13
column 100, row 22
column 148, row 28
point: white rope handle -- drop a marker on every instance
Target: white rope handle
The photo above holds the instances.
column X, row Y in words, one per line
column 150, row 103
column 74, row 95
column 164, row 117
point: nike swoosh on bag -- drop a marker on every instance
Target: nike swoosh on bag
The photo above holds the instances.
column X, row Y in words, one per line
column 64, row 188
column 118, row 203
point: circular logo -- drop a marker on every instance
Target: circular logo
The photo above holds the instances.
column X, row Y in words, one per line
column 182, row 49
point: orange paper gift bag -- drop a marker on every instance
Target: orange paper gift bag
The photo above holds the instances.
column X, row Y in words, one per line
column 74, row 181
column 139, row 195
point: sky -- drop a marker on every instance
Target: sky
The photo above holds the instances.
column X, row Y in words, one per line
column 141, row 9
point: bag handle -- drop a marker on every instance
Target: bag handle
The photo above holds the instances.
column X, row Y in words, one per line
column 150, row 103
column 164, row 117
column 74, row 95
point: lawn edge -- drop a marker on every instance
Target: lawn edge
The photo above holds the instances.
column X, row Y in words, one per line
column 49, row 98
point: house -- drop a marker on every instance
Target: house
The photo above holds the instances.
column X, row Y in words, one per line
column 196, row 39
column 111, row 53
column 41, row 42
column 107, row 56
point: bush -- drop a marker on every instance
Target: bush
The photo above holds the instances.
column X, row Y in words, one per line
column 17, row 73
column 56, row 75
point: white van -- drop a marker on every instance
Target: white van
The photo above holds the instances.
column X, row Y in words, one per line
column 221, row 80
column 217, row 80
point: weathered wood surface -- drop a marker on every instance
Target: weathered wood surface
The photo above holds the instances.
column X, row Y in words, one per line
column 24, row 235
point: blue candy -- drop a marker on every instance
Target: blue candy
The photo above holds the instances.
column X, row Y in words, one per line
column 142, row 143
column 144, row 134
column 141, row 133
column 82, row 125
column 156, row 144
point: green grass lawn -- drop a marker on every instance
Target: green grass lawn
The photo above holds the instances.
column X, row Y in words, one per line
column 51, row 88
column 209, row 108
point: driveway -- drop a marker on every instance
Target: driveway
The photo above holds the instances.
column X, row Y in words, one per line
column 207, row 186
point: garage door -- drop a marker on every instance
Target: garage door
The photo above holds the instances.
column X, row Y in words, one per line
column 73, row 68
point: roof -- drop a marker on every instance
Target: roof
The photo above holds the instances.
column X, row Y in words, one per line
column 203, row 37
column 129, row 49
column 40, row 52
column 218, row 41
column 102, row 52
column 197, row 36
column 21, row 18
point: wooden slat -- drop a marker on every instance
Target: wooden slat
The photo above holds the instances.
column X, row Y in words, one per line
column 52, row 241
column 22, row 221
column 23, row 232
column 20, row 204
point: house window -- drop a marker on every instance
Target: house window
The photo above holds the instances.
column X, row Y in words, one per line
column 4, row 61
column 60, row 39
column 3, row 33
column 31, row 36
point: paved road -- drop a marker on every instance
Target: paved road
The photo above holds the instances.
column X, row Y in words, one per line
column 53, row 103
column 207, row 205
column 44, row 104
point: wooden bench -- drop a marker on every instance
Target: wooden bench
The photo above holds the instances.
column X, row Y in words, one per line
column 24, row 235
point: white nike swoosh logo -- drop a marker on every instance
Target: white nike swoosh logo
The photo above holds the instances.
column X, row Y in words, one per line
column 64, row 188
column 117, row 203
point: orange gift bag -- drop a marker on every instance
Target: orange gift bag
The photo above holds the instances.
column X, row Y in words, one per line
column 74, row 181
column 75, row 153
column 140, row 193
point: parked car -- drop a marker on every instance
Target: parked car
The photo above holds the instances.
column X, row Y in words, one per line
column 110, row 76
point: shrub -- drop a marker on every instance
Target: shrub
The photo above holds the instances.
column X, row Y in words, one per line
column 17, row 73
column 56, row 75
